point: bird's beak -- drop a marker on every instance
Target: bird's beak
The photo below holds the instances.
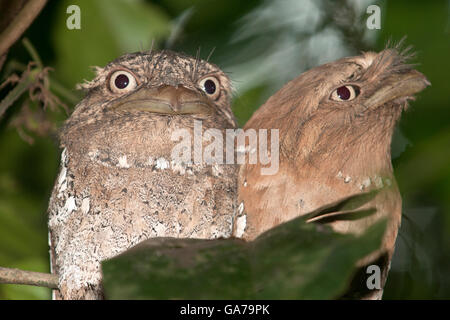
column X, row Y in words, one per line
column 398, row 87
column 165, row 100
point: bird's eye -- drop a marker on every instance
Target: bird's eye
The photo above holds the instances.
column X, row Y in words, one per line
column 345, row 93
column 210, row 85
column 122, row 81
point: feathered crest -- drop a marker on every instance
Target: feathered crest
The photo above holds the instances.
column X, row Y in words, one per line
column 98, row 79
column 393, row 59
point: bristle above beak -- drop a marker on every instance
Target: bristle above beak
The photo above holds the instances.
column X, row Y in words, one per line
column 398, row 86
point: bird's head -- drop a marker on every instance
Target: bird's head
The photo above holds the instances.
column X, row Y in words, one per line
column 155, row 85
column 137, row 103
column 345, row 107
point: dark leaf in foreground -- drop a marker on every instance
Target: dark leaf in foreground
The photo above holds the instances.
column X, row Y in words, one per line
column 295, row 260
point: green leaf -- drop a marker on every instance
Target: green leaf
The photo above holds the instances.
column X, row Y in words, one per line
column 168, row 268
column 295, row 260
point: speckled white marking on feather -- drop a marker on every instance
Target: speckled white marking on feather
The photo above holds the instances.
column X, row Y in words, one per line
column 85, row 205
column 162, row 163
column 178, row 167
column 64, row 156
column 241, row 224
column 62, row 182
column 160, row 229
column 241, row 207
column 378, row 181
column 216, row 170
column 177, row 228
column 365, row 184
column 123, row 163
column 62, row 176
column 70, row 205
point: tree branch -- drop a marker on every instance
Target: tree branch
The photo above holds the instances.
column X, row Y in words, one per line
column 16, row 276
column 20, row 23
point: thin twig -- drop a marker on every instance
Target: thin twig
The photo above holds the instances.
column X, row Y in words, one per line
column 20, row 23
column 17, row 276
column 23, row 85
column 32, row 52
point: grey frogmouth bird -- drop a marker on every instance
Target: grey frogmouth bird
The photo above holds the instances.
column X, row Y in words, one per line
column 335, row 123
column 119, row 183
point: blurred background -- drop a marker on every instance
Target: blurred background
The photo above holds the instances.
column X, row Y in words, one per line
column 262, row 44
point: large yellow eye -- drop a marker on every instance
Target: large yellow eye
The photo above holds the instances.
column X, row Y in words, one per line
column 122, row 81
column 211, row 86
column 345, row 93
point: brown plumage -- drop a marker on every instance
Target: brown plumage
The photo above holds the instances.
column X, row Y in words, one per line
column 335, row 125
column 119, row 184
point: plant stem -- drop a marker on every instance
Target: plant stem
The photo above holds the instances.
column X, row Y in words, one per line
column 32, row 52
column 20, row 23
column 15, row 93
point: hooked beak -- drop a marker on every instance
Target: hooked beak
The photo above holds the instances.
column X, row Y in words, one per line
column 398, row 86
column 165, row 100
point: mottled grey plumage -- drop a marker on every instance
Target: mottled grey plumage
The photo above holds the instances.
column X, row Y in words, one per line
column 117, row 184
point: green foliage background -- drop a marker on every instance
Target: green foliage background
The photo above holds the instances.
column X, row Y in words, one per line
column 110, row 28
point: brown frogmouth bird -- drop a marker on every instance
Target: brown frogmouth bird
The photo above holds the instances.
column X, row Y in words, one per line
column 335, row 123
column 119, row 183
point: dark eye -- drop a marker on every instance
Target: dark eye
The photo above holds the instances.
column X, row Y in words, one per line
column 122, row 81
column 210, row 85
column 345, row 93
